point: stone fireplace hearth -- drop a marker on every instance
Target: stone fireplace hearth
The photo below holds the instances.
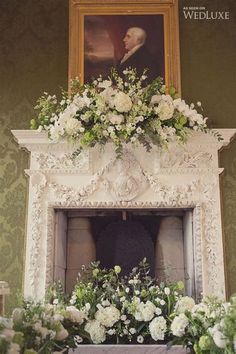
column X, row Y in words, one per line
column 182, row 178
column 82, row 236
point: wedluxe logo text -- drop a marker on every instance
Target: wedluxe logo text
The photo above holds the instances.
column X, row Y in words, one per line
column 201, row 13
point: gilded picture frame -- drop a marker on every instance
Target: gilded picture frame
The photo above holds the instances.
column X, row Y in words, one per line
column 97, row 30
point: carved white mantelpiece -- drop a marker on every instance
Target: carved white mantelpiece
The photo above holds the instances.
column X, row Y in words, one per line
column 181, row 177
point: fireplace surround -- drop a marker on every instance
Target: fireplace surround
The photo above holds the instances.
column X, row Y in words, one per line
column 178, row 178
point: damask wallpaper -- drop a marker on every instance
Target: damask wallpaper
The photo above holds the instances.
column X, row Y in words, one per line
column 34, row 59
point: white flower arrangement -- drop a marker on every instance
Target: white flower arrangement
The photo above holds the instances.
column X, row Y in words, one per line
column 120, row 111
column 147, row 313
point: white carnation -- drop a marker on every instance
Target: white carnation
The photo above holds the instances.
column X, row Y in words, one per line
column 122, row 102
column 179, row 324
column 158, row 328
column 96, row 331
column 107, row 316
column 185, row 303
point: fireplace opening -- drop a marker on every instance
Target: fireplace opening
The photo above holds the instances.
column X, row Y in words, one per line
column 125, row 237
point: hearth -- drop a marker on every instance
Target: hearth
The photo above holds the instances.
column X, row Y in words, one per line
column 125, row 237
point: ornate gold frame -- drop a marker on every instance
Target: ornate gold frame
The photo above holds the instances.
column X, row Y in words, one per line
column 167, row 8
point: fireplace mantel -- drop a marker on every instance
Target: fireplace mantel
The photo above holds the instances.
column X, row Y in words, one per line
column 180, row 177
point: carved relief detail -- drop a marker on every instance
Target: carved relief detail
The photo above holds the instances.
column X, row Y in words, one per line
column 177, row 157
column 38, row 184
column 129, row 180
column 126, row 181
column 63, row 161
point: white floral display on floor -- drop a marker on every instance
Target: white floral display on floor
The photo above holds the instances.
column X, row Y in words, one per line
column 120, row 111
column 110, row 309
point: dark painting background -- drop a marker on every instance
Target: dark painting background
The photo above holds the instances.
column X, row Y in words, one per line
column 34, row 59
column 103, row 41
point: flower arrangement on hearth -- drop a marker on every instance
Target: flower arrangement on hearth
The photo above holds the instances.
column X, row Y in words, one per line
column 118, row 110
column 110, row 309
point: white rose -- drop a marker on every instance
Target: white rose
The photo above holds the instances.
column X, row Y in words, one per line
column 165, row 110
column 96, row 331
column 122, row 102
column 158, row 328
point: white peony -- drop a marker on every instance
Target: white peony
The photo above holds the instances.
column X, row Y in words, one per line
column 108, row 316
column 158, row 328
column 96, row 331
column 179, row 324
column 122, row 102
column 183, row 304
column 165, row 109
column 75, row 315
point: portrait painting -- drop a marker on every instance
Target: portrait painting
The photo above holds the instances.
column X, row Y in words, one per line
column 108, row 35
column 105, row 45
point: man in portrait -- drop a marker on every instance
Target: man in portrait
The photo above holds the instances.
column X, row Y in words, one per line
column 123, row 41
column 138, row 56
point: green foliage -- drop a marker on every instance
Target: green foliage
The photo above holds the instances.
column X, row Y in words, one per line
column 119, row 111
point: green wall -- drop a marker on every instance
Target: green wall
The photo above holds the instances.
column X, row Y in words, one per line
column 34, row 58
